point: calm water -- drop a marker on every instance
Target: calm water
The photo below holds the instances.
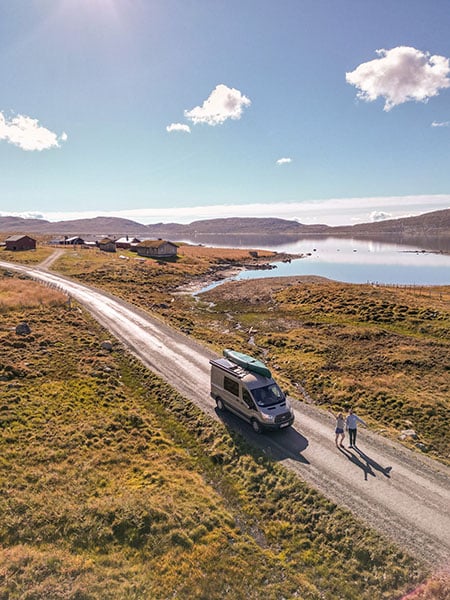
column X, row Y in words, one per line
column 357, row 261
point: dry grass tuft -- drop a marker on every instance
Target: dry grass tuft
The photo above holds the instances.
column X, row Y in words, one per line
column 18, row 293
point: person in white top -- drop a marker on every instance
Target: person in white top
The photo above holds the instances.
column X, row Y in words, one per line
column 351, row 425
column 339, row 429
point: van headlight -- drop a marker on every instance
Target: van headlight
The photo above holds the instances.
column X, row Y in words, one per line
column 268, row 418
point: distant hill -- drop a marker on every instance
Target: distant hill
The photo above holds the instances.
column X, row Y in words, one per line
column 244, row 226
column 245, row 230
column 88, row 227
column 19, row 225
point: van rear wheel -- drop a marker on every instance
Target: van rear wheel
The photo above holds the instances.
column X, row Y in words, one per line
column 219, row 403
column 256, row 426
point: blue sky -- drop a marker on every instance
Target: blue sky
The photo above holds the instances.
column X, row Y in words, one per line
column 332, row 111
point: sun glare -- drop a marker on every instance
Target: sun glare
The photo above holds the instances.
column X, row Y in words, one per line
column 111, row 10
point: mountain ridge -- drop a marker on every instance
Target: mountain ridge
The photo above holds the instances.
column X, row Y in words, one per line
column 433, row 223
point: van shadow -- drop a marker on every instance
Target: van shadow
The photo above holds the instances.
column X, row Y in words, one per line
column 276, row 445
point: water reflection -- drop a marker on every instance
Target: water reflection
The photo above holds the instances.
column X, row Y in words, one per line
column 279, row 242
column 358, row 261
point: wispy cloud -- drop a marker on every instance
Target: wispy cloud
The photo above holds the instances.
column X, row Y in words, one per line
column 222, row 104
column 284, row 161
column 440, row 124
column 178, row 127
column 399, row 75
column 26, row 133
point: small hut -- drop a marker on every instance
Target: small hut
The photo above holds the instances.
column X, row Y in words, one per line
column 126, row 242
column 20, row 242
column 157, row 249
column 75, row 240
column 107, row 245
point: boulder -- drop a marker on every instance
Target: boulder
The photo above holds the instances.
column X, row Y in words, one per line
column 23, row 329
column 422, row 447
column 107, row 345
column 408, row 434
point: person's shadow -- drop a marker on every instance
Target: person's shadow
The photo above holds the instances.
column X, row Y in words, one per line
column 365, row 467
column 369, row 461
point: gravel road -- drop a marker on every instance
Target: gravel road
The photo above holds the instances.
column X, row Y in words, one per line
column 404, row 495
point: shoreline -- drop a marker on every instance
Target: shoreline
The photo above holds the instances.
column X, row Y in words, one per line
column 222, row 272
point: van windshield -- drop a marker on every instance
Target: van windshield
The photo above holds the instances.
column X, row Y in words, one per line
column 268, row 395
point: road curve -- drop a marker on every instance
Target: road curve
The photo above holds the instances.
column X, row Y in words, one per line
column 404, row 495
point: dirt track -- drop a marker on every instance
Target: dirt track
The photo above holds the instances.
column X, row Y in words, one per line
column 401, row 494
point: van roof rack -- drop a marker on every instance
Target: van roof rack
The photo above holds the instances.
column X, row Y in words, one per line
column 231, row 367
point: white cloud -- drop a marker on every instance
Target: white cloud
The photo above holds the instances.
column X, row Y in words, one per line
column 401, row 74
column 377, row 215
column 440, row 124
column 284, row 161
column 223, row 103
column 26, row 133
column 178, row 127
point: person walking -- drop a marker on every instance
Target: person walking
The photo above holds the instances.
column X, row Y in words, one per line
column 339, row 430
column 351, row 424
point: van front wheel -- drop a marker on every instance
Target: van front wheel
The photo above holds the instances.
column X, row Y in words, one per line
column 219, row 403
column 256, row 426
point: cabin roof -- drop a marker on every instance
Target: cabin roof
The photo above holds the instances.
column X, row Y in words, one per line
column 156, row 243
column 16, row 238
column 127, row 240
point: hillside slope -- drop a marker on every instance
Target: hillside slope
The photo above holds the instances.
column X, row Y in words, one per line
column 436, row 223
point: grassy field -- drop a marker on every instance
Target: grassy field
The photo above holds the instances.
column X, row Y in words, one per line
column 112, row 486
column 26, row 257
column 384, row 351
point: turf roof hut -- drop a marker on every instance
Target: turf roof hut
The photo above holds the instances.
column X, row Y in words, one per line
column 107, row 245
column 157, row 249
column 20, row 242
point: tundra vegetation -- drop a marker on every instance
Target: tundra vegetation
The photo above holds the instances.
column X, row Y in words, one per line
column 382, row 350
column 112, row 486
column 27, row 257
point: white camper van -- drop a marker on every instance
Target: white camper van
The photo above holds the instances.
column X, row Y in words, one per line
column 244, row 385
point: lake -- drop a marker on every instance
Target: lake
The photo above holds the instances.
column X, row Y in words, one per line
column 358, row 261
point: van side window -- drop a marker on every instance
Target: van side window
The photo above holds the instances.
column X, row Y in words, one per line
column 231, row 386
column 247, row 399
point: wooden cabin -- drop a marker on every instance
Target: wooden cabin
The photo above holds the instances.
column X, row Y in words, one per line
column 20, row 242
column 157, row 249
column 126, row 242
column 107, row 245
